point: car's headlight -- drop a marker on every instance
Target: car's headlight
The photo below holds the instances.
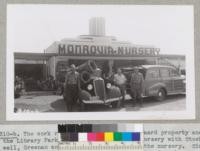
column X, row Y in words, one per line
column 108, row 85
column 90, row 87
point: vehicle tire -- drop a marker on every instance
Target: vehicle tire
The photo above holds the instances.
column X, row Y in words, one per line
column 161, row 95
column 116, row 104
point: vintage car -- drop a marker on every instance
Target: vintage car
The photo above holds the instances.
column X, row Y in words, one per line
column 95, row 89
column 159, row 80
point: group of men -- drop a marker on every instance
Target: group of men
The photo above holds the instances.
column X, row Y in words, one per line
column 72, row 86
column 136, row 85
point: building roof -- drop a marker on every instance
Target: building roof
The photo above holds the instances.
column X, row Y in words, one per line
column 32, row 56
column 46, row 56
column 155, row 66
column 172, row 56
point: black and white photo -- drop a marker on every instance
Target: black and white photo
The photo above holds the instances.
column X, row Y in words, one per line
column 100, row 62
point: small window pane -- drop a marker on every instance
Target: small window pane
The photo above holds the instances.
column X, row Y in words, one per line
column 164, row 72
column 153, row 74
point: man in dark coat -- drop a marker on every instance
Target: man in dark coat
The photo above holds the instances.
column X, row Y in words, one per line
column 71, row 90
column 137, row 80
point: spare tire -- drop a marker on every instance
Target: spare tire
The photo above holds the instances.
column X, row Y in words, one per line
column 85, row 76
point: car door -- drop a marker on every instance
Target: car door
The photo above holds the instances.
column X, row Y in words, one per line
column 166, row 79
column 178, row 84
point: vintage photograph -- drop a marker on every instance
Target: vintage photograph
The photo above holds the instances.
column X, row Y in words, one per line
column 100, row 61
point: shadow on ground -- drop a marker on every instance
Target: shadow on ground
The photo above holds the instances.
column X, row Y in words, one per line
column 60, row 106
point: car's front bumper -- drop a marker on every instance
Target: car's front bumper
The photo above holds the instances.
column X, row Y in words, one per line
column 97, row 101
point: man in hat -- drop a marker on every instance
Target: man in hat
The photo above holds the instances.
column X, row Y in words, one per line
column 120, row 81
column 72, row 87
column 136, row 83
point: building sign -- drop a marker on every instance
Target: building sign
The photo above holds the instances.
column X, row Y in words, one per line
column 95, row 50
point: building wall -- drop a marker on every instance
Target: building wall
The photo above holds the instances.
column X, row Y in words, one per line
column 51, row 65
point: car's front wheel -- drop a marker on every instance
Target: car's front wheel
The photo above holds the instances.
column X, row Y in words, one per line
column 161, row 95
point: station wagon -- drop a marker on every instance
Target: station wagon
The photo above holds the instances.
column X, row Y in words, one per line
column 159, row 80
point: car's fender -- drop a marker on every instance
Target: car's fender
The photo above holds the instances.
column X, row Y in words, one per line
column 113, row 92
column 84, row 95
column 153, row 90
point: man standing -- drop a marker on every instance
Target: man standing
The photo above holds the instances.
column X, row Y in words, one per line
column 120, row 81
column 71, row 90
column 137, row 80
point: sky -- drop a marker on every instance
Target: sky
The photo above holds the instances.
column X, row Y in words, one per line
column 32, row 28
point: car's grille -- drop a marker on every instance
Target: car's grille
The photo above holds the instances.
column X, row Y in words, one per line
column 99, row 88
